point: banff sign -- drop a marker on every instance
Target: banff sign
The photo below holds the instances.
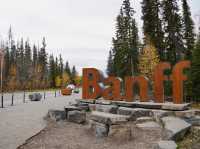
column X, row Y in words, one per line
column 111, row 88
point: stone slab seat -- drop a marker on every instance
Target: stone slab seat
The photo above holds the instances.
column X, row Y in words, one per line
column 108, row 118
column 153, row 105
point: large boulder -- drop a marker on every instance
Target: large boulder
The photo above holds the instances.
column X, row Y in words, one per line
column 176, row 127
column 76, row 116
column 35, row 97
column 56, row 115
column 108, row 118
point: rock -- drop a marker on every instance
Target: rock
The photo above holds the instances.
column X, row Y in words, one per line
column 100, row 130
column 194, row 121
column 144, row 119
column 120, row 132
column 103, row 102
column 176, row 126
column 107, row 108
column 148, row 105
column 92, row 107
column 108, row 118
column 83, row 106
column 56, row 115
column 134, row 113
column 175, row 107
column 88, row 101
column 185, row 114
column 158, row 114
column 35, row 97
column 71, row 108
column 166, row 145
column 124, row 104
column 148, row 125
column 76, row 116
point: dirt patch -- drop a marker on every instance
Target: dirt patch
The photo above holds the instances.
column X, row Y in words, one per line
column 66, row 135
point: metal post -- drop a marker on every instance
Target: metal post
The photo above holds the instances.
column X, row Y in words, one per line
column 44, row 94
column 24, row 97
column 1, row 56
column 12, row 102
column 55, row 93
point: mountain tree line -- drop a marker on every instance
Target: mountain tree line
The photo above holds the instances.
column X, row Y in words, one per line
column 29, row 66
column 168, row 35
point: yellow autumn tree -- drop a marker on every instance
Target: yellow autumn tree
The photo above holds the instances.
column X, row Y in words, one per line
column 65, row 79
column 148, row 59
column 58, row 81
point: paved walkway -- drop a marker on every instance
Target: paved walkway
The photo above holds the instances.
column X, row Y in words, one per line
column 20, row 122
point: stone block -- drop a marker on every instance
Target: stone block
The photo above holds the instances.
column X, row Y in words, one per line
column 56, row 115
column 76, row 116
column 108, row 118
column 107, row 108
column 71, row 108
column 148, row 125
column 134, row 113
column 176, row 126
column 144, row 119
column 175, row 107
column 194, row 121
column 158, row 114
column 92, row 107
column 100, row 130
column 166, row 145
column 120, row 132
column 124, row 104
column 103, row 102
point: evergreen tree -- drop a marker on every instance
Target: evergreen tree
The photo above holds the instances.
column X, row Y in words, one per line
column 52, row 73
column 195, row 70
column 152, row 25
column 173, row 31
column 110, row 70
column 188, row 26
column 67, row 68
column 74, row 73
column 35, row 56
column 42, row 58
column 27, row 60
column 125, row 44
column 60, row 65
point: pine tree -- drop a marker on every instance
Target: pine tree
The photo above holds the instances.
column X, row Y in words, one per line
column 173, row 30
column 35, row 56
column 195, row 70
column 27, row 60
column 74, row 73
column 125, row 44
column 60, row 66
column 148, row 59
column 52, row 73
column 152, row 25
column 188, row 26
column 110, row 70
column 42, row 59
column 67, row 68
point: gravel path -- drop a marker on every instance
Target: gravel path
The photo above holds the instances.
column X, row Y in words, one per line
column 66, row 135
column 19, row 122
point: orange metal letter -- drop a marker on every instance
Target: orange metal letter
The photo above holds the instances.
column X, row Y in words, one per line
column 158, row 78
column 143, row 85
column 112, row 91
column 177, row 77
column 91, row 79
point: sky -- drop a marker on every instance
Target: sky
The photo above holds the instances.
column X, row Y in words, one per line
column 80, row 30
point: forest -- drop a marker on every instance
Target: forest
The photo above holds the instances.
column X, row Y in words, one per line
column 30, row 67
column 168, row 35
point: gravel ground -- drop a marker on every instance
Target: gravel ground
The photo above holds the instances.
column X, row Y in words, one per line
column 66, row 135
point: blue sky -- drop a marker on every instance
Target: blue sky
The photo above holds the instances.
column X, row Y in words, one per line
column 81, row 30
